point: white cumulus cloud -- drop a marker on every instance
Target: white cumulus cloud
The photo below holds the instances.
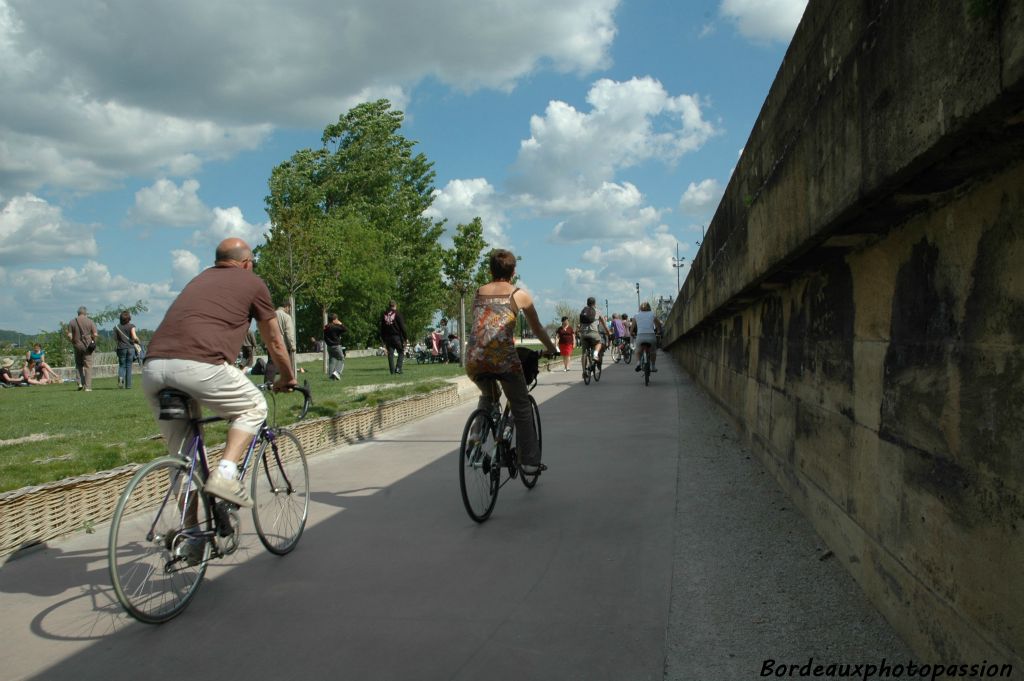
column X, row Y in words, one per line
column 229, row 222
column 97, row 92
column 701, row 197
column 33, row 231
column 55, row 294
column 167, row 204
column 462, row 200
column 184, row 266
column 764, row 20
column 628, row 123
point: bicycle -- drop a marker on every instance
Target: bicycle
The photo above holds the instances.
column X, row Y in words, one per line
column 644, row 361
column 616, row 350
column 165, row 529
column 591, row 367
column 627, row 350
column 486, row 449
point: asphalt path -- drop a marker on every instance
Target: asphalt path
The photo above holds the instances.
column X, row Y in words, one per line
column 650, row 549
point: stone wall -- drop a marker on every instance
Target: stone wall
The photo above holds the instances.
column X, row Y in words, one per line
column 858, row 306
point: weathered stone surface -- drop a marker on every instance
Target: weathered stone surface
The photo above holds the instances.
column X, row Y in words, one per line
column 858, row 305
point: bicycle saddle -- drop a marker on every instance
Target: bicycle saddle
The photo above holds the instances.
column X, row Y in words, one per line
column 173, row 404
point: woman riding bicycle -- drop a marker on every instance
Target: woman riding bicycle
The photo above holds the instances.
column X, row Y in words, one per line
column 646, row 328
column 491, row 353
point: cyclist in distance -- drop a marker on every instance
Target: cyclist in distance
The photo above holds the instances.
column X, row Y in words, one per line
column 619, row 330
column 491, row 351
column 194, row 348
column 590, row 330
column 646, row 329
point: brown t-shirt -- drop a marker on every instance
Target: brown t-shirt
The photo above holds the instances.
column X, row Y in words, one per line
column 208, row 320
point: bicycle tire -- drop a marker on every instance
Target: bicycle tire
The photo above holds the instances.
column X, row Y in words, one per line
column 151, row 572
column 597, row 372
column 586, row 361
column 280, row 492
column 627, row 353
column 647, row 368
column 479, row 473
column 616, row 354
column 531, row 479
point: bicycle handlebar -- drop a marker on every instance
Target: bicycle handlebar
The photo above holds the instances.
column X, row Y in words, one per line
column 307, row 395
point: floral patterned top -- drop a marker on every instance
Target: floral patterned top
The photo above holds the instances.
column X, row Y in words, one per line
column 491, row 348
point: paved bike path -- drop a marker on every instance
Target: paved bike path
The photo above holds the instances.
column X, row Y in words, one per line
column 631, row 560
column 392, row 580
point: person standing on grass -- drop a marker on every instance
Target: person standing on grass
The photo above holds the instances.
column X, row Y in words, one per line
column 82, row 333
column 393, row 335
column 194, row 349
column 284, row 318
column 335, row 349
column 127, row 339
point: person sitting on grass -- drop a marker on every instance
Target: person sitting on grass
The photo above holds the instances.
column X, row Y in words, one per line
column 28, row 374
column 6, row 378
column 43, row 370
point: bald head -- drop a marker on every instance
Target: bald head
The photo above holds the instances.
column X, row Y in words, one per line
column 233, row 250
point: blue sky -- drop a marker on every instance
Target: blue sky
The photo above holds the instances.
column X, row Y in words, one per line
column 590, row 135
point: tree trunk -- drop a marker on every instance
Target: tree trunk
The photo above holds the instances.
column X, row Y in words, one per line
column 295, row 329
column 462, row 328
column 323, row 315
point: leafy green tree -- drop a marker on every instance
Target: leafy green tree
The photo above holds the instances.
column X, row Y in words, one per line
column 371, row 169
column 462, row 264
column 348, row 230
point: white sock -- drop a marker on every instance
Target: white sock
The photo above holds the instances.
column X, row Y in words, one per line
column 228, row 469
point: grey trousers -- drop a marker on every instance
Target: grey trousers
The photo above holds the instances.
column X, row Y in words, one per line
column 83, row 365
column 514, row 387
column 336, row 360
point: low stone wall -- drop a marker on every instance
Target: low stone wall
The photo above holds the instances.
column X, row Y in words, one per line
column 33, row 515
column 858, row 306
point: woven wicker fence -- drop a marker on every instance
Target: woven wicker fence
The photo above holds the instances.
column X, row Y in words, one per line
column 33, row 515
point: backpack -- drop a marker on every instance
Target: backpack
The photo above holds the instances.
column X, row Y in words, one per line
column 389, row 321
column 588, row 315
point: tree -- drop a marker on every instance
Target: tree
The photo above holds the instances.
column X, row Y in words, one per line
column 348, row 227
column 462, row 264
column 371, row 169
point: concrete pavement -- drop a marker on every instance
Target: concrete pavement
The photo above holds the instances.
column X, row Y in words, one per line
column 653, row 548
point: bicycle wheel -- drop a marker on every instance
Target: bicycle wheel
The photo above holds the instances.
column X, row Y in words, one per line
column 531, row 480
column 280, row 492
column 616, row 353
column 645, row 358
column 157, row 553
column 585, row 360
column 478, row 466
column 597, row 371
column 627, row 353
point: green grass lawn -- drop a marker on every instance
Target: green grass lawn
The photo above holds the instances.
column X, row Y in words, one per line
column 54, row 431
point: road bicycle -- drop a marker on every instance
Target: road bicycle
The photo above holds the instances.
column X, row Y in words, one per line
column 591, row 367
column 487, row 456
column 644, row 361
column 165, row 529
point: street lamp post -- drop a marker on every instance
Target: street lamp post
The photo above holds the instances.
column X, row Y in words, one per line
column 638, row 295
column 677, row 262
column 606, row 314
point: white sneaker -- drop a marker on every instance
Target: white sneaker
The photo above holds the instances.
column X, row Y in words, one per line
column 228, row 489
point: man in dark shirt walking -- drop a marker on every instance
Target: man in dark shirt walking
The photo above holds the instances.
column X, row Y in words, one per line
column 393, row 335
